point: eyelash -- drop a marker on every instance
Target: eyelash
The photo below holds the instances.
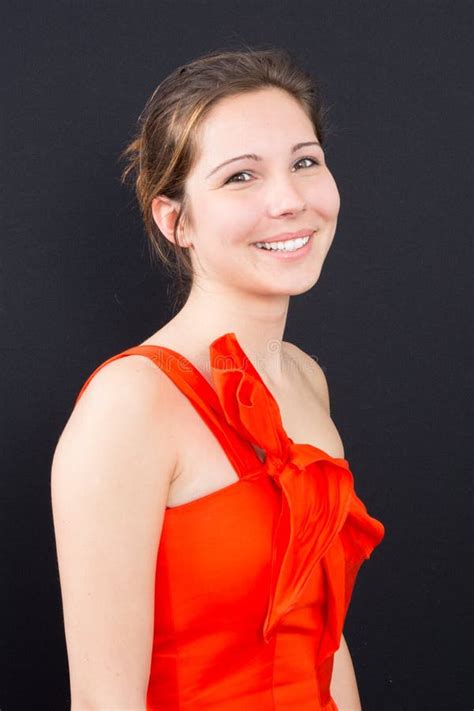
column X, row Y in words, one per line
column 242, row 172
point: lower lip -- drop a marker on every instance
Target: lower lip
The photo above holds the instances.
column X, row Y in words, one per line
column 283, row 254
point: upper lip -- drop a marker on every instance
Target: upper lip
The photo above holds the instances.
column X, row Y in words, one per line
column 286, row 235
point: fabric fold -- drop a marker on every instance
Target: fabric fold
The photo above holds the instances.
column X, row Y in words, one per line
column 321, row 521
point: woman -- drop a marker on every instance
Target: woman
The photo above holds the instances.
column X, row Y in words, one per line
column 207, row 526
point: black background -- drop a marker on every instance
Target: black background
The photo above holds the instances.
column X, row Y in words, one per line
column 387, row 319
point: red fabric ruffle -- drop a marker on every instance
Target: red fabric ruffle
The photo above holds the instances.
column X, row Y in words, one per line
column 321, row 521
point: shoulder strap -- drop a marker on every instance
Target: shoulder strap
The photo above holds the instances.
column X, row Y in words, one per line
column 201, row 395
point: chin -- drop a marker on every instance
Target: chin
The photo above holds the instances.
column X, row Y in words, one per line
column 295, row 289
column 302, row 289
column 303, row 284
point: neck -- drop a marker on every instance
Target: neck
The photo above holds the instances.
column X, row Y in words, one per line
column 258, row 322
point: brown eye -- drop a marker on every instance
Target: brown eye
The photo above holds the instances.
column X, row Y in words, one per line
column 231, row 179
column 245, row 172
column 313, row 161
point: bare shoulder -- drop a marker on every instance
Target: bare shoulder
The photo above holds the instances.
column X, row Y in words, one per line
column 127, row 373
column 131, row 385
column 110, row 478
column 312, row 372
column 124, row 409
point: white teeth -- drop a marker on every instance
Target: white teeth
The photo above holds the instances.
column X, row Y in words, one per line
column 289, row 245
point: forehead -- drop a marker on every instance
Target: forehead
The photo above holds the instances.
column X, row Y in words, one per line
column 259, row 121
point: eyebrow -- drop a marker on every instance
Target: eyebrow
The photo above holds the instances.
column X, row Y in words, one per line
column 253, row 156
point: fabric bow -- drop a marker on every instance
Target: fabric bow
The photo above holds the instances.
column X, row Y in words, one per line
column 321, row 518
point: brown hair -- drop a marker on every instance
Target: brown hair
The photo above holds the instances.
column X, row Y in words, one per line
column 163, row 150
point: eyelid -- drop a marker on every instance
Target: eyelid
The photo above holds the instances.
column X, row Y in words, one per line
column 317, row 161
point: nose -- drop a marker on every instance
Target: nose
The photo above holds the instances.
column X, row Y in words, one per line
column 284, row 198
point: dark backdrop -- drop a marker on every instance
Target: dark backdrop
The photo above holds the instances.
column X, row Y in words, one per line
column 387, row 319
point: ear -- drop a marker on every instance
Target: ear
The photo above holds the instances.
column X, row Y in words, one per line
column 165, row 214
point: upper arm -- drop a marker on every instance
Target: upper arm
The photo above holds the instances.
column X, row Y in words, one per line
column 343, row 682
column 110, row 475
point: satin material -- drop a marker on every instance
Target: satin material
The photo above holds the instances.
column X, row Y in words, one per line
column 253, row 581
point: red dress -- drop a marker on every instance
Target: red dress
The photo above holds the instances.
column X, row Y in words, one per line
column 253, row 581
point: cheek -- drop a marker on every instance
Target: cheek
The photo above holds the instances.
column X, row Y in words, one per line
column 235, row 220
column 324, row 196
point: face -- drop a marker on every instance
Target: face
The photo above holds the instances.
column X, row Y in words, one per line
column 284, row 188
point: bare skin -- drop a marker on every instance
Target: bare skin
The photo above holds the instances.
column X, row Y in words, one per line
column 108, row 505
column 303, row 400
column 237, row 288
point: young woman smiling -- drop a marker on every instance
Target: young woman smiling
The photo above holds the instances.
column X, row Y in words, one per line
column 208, row 531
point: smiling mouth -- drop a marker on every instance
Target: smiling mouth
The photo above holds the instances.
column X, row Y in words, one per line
column 288, row 245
